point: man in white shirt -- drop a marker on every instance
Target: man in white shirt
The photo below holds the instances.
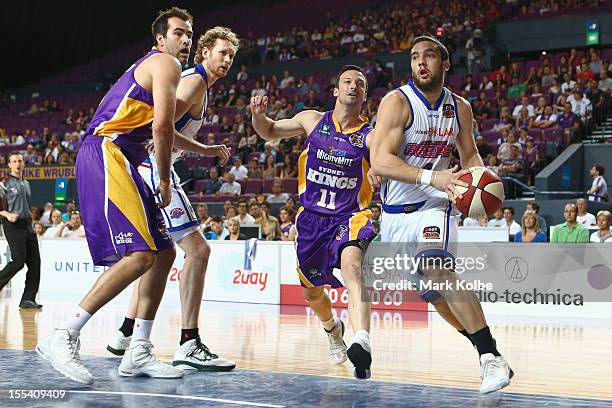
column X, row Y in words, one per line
column 524, row 104
column 568, row 84
column 243, row 217
column 599, row 188
column 513, row 226
column 605, row 83
column 604, row 217
column 239, row 171
column 277, row 195
column 287, row 80
column 546, row 120
column 230, row 187
column 73, row 228
column 56, row 223
column 581, row 106
column 584, row 217
column 498, row 220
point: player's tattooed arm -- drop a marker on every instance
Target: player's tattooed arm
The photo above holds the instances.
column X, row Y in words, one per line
column 271, row 130
column 466, row 145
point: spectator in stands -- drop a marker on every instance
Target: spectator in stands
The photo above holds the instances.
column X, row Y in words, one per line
column 213, row 185
column 469, row 84
column 506, row 121
column 481, row 111
column 531, row 158
column 599, row 188
column 254, row 171
column 287, row 81
column 604, row 83
column 498, row 219
column 217, row 229
column 585, row 73
column 56, row 224
column 269, row 232
column 269, row 171
column 484, row 150
column 234, row 231
column 70, row 208
column 568, row 85
column 203, row 217
column 533, row 78
column 254, row 210
column 563, row 67
column 312, row 102
column 243, row 217
column 289, row 170
column 570, row 231
column 530, row 231
column 545, row 120
column 277, row 195
column 375, row 209
column 500, row 74
column 286, row 223
column 524, row 104
column 485, row 83
column 513, row 164
column 604, row 218
column 504, row 151
column 39, row 229
column 584, row 217
column 265, row 216
column 548, row 76
column 524, row 120
column 73, row 228
column 242, row 75
column 555, row 87
column 569, row 122
column 535, row 207
column 517, row 88
column 45, row 218
column 238, row 170
column 211, row 116
column 231, row 186
column 513, row 226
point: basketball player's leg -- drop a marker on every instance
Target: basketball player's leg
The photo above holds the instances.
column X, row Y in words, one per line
column 122, row 338
column 192, row 354
column 320, row 303
column 359, row 351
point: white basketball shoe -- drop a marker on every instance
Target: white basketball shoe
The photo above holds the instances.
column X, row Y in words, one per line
column 194, row 355
column 337, row 347
column 495, row 373
column 119, row 343
column 61, row 349
column 139, row 360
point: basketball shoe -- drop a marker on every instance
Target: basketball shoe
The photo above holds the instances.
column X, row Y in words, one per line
column 495, row 373
column 337, row 347
column 61, row 349
column 360, row 355
column 139, row 360
column 119, row 343
column 194, row 355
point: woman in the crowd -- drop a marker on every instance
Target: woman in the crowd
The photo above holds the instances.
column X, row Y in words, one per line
column 234, row 229
column 530, row 231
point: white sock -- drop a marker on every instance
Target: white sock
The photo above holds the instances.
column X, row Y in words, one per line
column 361, row 335
column 330, row 324
column 78, row 319
column 142, row 331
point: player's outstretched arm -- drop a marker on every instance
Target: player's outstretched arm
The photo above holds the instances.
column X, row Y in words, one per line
column 272, row 130
column 185, row 143
column 165, row 75
column 466, row 144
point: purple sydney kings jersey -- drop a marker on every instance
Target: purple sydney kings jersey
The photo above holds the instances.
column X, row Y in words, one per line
column 125, row 115
column 333, row 167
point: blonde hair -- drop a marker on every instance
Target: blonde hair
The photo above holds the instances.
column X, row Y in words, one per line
column 536, row 225
column 210, row 37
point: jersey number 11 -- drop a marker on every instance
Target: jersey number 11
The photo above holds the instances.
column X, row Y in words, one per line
column 331, row 205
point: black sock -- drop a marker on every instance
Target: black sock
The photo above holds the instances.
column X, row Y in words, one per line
column 484, row 342
column 189, row 334
column 127, row 328
column 466, row 334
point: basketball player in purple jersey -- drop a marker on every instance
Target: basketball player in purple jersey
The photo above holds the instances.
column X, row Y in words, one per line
column 418, row 126
column 123, row 224
column 214, row 57
column 333, row 226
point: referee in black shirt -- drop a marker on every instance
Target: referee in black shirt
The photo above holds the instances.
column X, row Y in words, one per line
column 15, row 204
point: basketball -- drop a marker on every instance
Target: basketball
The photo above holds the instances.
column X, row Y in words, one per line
column 484, row 194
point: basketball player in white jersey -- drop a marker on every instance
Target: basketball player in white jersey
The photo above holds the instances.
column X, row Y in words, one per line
column 214, row 57
column 417, row 129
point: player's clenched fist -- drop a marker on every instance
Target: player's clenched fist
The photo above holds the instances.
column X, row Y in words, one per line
column 259, row 104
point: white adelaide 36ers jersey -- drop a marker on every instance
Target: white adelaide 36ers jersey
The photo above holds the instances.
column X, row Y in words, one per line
column 188, row 125
column 429, row 141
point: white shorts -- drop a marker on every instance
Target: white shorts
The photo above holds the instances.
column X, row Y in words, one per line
column 179, row 216
column 434, row 230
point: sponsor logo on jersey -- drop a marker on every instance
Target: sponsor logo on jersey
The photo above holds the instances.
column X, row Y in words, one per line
column 356, row 139
column 431, row 232
column 448, row 110
column 341, row 183
column 124, row 238
column 448, row 132
column 342, row 230
column 313, row 273
column 325, row 129
column 176, row 212
column 335, row 156
column 429, row 149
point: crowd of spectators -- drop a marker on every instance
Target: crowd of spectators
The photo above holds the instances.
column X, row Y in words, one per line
column 50, row 222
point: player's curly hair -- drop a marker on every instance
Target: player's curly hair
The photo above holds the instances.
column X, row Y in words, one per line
column 210, row 37
column 160, row 25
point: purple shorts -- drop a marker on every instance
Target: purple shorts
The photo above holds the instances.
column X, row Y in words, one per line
column 320, row 240
column 118, row 208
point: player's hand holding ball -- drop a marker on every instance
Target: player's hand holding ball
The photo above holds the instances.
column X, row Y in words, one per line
column 482, row 194
column 448, row 181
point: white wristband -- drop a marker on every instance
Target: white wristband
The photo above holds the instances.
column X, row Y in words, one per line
column 426, row 176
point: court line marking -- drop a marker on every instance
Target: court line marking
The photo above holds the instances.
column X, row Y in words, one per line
column 188, row 397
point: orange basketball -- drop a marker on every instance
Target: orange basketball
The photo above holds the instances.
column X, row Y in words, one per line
column 484, row 194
